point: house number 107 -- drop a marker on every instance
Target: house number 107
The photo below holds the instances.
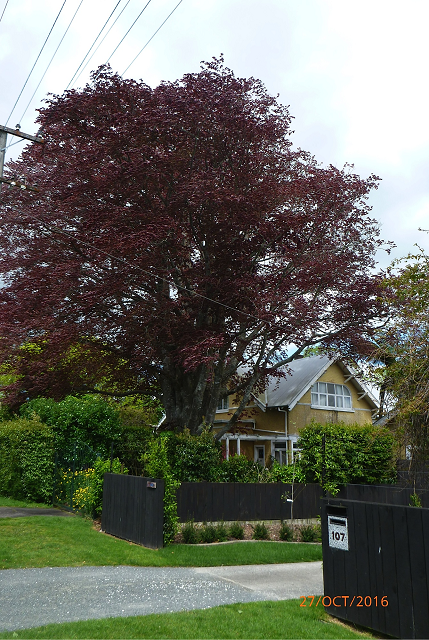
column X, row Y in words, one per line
column 336, row 535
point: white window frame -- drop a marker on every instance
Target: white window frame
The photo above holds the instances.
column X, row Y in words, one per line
column 222, row 405
column 331, row 392
column 256, row 454
column 294, row 449
column 280, row 448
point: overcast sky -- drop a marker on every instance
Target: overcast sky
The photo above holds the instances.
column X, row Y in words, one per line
column 353, row 72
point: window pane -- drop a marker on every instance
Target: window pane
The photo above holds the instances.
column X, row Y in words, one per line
column 331, row 388
column 331, row 401
column 223, row 404
column 314, row 398
column 347, row 402
column 346, row 392
column 339, row 389
column 322, row 387
column 340, row 402
column 322, row 400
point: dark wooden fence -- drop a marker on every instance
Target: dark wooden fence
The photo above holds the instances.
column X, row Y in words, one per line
column 385, row 494
column 230, row 501
column 133, row 509
column 387, row 555
column 214, row 501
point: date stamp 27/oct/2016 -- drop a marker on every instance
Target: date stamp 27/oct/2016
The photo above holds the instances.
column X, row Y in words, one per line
column 344, row 601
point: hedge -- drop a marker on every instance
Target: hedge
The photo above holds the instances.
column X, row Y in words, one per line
column 26, row 460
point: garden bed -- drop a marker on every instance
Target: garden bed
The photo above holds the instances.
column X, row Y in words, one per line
column 300, row 532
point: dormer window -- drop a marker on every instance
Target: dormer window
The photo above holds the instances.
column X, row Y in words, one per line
column 327, row 395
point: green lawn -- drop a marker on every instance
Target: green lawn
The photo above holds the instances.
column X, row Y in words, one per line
column 283, row 619
column 50, row 541
column 11, row 502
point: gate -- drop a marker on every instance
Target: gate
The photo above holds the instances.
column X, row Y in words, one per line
column 375, row 566
column 133, row 509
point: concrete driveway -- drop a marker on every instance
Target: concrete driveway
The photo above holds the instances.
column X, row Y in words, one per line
column 33, row 597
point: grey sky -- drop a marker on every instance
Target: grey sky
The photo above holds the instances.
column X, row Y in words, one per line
column 354, row 74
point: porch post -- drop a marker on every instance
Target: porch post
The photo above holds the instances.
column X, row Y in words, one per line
column 238, row 446
column 227, row 448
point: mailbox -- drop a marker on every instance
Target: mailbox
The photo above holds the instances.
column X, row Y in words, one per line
column 338, row 534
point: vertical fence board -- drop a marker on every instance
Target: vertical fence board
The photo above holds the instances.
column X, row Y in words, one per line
column 420, row 594
column 388, row 558
column 403, row 578
column 349, row 561
column 378, row 619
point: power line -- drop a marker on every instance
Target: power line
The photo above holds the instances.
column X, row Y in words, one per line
column 50, row 62
column 149, row 1
column 47, row 38
column 99, row 34
column 1, row 17
column 141, row 51
column 99, row 45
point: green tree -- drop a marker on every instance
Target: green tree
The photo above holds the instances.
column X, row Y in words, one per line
column 403, row 352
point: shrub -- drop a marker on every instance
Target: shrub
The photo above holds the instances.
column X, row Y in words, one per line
column 156, row 465
column 308, row 533
column 260, row 531
column 236, row 531
column 83, row 490
column 194, row 458
column 286, row 532
column 26, row 460
column 318, row 532
column 190, row 533
column 88, row 420
column 134, row 443
column 96, row 486
column 208, row 533
column 239, row 469
column 415, row 500
column 286, row 473
column 221, row 532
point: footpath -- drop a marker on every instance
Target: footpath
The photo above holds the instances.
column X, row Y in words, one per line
column 34, row 597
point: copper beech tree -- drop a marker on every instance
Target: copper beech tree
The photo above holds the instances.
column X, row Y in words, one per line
column 175, row 236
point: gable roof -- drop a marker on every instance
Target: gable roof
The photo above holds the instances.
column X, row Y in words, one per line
column 300, row 376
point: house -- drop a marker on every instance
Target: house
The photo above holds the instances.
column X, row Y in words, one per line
column 316, row 388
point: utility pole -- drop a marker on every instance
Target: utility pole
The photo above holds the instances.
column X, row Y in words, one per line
column 3, row 144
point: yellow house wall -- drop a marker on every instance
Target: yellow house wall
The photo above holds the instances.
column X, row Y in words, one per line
column 302, row 413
